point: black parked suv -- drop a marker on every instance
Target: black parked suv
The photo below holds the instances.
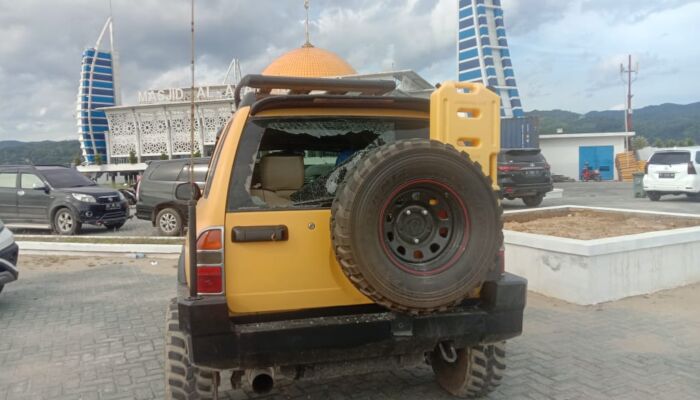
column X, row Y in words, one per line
column 524, row 174
column 156, row 193
column 58, row 196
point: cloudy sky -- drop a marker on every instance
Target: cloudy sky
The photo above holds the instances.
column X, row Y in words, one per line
column 566, row 53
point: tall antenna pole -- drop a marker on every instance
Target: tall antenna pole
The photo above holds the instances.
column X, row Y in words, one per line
column 192, row 96
column 192, row 202
column 626, row 75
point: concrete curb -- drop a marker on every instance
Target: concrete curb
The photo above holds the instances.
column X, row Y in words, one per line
column 595, row 271
column 57, row 248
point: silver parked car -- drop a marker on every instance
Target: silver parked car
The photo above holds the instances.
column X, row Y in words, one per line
column 8, row 257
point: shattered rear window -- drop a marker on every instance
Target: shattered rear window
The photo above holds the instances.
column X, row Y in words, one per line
column 327, row 147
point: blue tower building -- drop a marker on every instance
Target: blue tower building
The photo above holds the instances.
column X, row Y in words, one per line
column 483, row 54
column 97, row 89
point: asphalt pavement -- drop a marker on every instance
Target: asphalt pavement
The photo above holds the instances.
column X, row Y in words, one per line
column 613, row 195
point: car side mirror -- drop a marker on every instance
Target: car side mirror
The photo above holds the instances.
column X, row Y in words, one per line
column 40, row 186
column 188, row 191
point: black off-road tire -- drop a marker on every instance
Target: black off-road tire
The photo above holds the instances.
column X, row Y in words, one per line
column 169, row 222
column 654, row 196
column 371, row 198
column 65, row 222
column 183, row 381
column 533, row 201
column 477, row 372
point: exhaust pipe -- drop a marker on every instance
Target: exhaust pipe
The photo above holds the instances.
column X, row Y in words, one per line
column 261, row 380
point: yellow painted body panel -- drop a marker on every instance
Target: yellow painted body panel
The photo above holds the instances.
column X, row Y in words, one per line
column 299, row 273
column 467, row 116
column 211, row 210
column 302, row 272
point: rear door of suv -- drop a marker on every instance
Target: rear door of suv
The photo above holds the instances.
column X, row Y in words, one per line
column 158, row 186
column 8, row 195
column 668, row 169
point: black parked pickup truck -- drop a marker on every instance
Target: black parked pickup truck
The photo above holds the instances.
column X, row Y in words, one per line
column 57, row 196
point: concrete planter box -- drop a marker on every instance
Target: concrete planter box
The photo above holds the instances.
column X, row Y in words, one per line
column 594, row 271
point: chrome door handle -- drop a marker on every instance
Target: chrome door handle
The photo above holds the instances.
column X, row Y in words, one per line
column 20, row 193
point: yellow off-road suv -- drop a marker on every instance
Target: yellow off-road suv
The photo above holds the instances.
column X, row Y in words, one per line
column 345, row 227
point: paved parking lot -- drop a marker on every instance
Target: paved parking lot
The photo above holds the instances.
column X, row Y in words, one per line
column 612, row 194
column 80, row 328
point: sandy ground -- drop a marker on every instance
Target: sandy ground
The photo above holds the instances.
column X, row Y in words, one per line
column 588, row 224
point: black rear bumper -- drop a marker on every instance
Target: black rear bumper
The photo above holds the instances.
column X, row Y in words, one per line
column 520, row 190
column 328, row 335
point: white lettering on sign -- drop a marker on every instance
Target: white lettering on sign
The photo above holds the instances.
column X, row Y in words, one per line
column 174, row 95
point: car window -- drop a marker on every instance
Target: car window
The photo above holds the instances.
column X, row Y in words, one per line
column 670, row 158
column 220, row 138
column 61, row 178
column 8, row 180
column 200, row 173
column 27, row 181
column 298, row 162
column 524, row 157
column 166, row 172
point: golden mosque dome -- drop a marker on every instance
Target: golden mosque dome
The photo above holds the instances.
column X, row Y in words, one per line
column 310, row 62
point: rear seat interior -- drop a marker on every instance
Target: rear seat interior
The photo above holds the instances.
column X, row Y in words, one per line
column 280, row 176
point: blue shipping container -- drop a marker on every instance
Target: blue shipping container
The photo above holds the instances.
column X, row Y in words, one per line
column 519, row 133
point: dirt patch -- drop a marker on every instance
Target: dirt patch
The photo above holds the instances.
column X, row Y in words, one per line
column 592, row 224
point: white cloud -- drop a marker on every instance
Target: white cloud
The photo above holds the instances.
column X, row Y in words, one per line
column 566, row 54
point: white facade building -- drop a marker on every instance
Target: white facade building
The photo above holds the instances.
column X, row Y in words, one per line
column 568, row 153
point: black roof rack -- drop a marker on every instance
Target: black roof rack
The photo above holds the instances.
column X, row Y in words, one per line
column 265, row 84
column 301, row 101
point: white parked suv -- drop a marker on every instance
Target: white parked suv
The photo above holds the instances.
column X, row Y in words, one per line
column 673, row 171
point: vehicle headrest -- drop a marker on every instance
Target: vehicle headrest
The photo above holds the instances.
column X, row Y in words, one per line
column 282, row 172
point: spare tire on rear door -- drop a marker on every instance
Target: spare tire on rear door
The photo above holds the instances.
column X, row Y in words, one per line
column 416, row 226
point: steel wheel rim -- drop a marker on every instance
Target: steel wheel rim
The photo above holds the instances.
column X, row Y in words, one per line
column 421, row 222
column 168, row 222
column 65, row 221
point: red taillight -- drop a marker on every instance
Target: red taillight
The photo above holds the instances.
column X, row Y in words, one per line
column 547, row 167
column 691, row 168
column 209, row 279
column 210, row 240
column 502, row 260
column 210, row 261
column 507, row 168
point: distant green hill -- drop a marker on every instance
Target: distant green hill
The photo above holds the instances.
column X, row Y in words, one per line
column 46, row 152
column 665, row 121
